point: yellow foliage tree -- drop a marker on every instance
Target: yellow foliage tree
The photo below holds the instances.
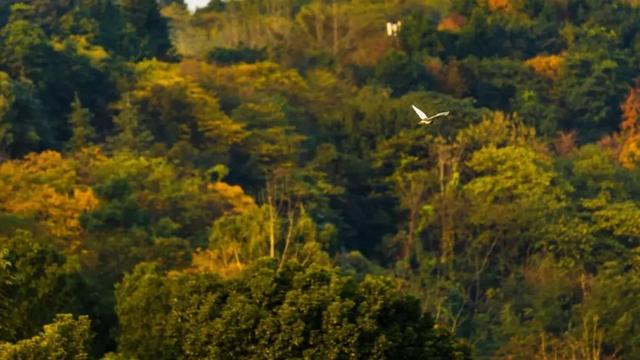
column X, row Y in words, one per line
column 236, row 200
column 249, row 79
column 96, row 54
column 176, row 106
column 157, row 185
column 547, row 66
column 45, row 187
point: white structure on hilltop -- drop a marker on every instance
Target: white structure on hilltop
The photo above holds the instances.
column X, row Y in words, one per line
column 393, row 28
column 194, row 5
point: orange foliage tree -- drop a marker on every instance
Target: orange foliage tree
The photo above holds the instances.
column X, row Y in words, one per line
column 452, row 23
column 547, row 66
column 629, row 152
column 45, row 187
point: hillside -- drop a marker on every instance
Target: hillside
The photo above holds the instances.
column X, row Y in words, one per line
column 250, row 180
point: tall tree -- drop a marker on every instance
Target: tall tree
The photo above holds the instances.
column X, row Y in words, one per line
column 149, row 26
column 131, row 135
column 80, row 122
column 24, row 126
column 25, row 49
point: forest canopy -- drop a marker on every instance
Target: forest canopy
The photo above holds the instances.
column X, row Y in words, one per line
column 249, row 180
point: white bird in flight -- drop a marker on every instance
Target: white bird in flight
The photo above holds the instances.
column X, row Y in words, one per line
column 424, row 119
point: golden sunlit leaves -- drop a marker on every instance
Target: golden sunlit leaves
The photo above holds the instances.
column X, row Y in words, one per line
column 452, row 23
column 214, row 261
column 498, row 129
column 169, row 98
column 248, row 79
column 85, row 198
column 625, row 144
column 547, row 66
column 48, row 188
column 500, row 5
column 630, row 152
column 631, row 110
column 61, row 213
column 47, row 167
column 234, row 196
column 44, row 186
column 96, row 54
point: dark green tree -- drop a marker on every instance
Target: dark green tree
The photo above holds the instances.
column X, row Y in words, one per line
column 24, row 126
column 151, row 29
column 38, row 282
column 403, row 73
column 24, row 48
column 294, row 312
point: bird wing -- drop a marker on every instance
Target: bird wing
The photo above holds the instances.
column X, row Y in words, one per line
column 444, row 113
column 421, row 114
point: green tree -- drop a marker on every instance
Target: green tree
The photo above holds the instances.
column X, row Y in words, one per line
column 149, row 26
column 25, row 49
column 593, row 82
column 402, row 73
column 611, row 303
column 132, row 136
column 41, row 282
column 80, row 121
column 23, row 124
column 5, row 281
column 65, row 338
column 278, row 314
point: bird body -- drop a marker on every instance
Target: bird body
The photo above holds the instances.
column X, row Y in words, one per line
column 424, row 119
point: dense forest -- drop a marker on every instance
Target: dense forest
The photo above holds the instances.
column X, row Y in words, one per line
column 249, row 181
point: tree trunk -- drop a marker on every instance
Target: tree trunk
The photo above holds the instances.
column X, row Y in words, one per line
column 319, row 17
column 290, row 221
column 334, row 8
column 410, row 236
column 272, row 228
